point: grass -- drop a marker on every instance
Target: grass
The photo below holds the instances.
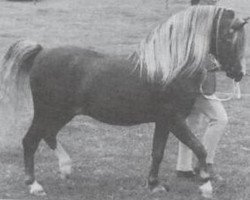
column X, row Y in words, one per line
column 110, row 162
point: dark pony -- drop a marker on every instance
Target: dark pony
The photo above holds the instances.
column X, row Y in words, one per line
column 158, row 83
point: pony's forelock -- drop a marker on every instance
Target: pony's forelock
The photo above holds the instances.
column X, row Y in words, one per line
column 180, row 45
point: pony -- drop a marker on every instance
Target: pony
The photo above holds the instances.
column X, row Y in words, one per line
column 158, row 83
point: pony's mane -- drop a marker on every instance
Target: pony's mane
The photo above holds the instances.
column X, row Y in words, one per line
column 179, row 45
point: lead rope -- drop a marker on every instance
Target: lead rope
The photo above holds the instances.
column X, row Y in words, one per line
column 235, row 93
column 236, row 89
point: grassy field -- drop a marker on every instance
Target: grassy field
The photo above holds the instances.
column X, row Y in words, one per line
column 110, row 162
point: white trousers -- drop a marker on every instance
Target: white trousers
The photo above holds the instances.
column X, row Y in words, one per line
column 217, row 121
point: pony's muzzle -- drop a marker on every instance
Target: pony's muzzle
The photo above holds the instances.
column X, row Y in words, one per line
column 238, row 77
column 242, row 73
column 235, row 76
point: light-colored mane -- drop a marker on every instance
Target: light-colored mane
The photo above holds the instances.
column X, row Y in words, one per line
column 179, row 45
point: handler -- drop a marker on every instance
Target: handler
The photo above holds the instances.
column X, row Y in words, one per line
column 217, row 121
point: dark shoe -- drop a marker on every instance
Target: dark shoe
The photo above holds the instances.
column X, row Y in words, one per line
column 185, row 174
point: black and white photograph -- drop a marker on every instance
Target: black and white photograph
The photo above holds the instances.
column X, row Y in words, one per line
column 124, row 100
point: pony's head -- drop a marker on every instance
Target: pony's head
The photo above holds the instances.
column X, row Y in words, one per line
column 228, row 43
column 182, row 44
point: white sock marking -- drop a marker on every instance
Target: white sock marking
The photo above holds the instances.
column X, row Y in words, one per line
column 207, row 190
column 64, row 161
column 36, row 189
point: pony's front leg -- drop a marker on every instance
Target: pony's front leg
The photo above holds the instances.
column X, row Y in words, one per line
column 180, row 129
column 159, row 143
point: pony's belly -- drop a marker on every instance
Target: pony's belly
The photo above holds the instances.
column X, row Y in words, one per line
column 122, row 121
column 121, row 115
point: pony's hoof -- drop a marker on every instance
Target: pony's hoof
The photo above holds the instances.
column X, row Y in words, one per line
column 156, row 187
column 36, row 189
column 28, row 180
column 159, row 188
column 206, row 190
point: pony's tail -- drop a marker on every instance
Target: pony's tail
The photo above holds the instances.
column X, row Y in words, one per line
column 15, row 68
column 14, row 77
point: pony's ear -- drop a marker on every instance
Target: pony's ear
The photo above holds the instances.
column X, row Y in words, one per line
column 237, row 24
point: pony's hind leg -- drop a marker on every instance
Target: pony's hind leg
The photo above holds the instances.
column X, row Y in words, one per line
column 159, row 143
column 46, row 124
column 30, row 145
column 64, row 161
